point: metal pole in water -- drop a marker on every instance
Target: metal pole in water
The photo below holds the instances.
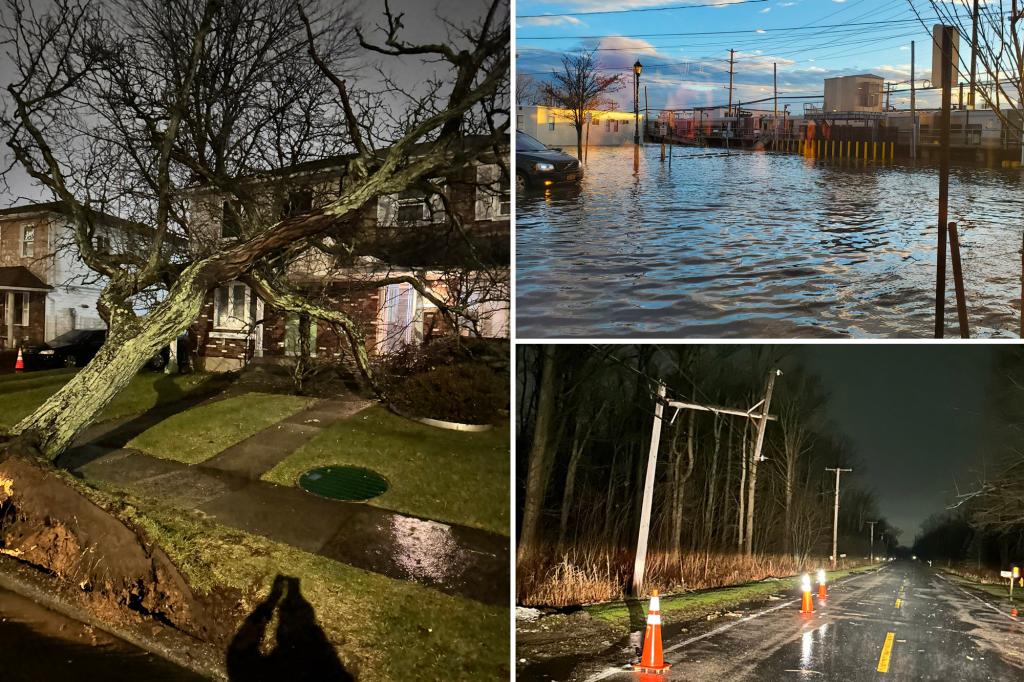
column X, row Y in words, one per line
column 958, row 282
column 940, row 255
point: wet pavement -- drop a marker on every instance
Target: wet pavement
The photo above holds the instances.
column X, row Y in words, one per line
column 39, row 645
column 938, row 631
column 454, row 559
column 760, row 245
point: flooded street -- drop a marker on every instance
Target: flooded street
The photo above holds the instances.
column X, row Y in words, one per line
column 762, row 245
column 39, row 645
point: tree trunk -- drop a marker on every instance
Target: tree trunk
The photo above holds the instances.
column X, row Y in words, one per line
column 540, row 458
column 130, row 344
column 712, row 487
column 570, row 482
column 579, row 143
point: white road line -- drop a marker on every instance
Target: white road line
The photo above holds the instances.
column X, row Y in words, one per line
column 616, row 671
column 976, row 597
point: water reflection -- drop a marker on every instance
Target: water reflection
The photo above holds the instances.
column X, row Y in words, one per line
column 761, row 245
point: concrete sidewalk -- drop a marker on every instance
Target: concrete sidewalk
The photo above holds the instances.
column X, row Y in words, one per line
column 454, row 559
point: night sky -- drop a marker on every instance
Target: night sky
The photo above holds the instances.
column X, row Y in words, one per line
column 915, row 415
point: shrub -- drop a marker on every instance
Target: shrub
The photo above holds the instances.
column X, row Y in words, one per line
column 467, row 392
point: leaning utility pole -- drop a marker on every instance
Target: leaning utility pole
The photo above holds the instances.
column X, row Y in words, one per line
column 872, row 524
column 639, row 563
column 748, row 545
column 835, row 518
column 732, row 54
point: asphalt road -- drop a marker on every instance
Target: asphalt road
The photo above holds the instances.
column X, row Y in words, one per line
column 936, row 631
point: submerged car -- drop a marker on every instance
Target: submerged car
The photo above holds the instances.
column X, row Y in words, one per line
column 540, row 166
column 75, row 349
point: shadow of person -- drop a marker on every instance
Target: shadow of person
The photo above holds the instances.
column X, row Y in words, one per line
column 301, row 649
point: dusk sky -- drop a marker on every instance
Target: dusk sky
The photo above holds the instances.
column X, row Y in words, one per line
column 810, row 40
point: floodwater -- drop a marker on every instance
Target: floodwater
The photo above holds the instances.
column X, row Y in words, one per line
column 40, row 645
column 763, row 245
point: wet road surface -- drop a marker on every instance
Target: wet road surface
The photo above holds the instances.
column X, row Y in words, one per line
column 39, row 645
column 936, row 631
column 761, row 245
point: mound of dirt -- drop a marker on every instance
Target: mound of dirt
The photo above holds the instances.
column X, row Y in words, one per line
column 46, row 522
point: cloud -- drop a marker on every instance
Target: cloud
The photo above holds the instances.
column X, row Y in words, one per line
column 553, row 20
column 766, row 10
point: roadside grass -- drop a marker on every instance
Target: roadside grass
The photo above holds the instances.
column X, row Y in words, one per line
column 382, row 629
column 21, row 394
column 451, row 476
column 199, row 433
column 692, row 605
column 998, row 590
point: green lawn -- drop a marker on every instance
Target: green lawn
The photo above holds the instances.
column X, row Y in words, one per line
column 434, row 473
column 383, row 629
column 696, row 604
column 21, row 394
column 1001, row 590
column 199, row 433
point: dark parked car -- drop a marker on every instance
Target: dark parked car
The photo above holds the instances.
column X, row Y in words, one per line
column 539, row 166
column 75, row 349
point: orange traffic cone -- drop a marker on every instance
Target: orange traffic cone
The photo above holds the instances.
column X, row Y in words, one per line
column 19, row 364
column 822, row 590
column 806, row 605
column 651, row 661
column 1013, row 611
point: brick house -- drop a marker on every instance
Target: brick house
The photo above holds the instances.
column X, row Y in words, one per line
column 45, row 288
column 400, row 234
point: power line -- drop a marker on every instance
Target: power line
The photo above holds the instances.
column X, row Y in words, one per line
column 639, row 9
column 715, row 33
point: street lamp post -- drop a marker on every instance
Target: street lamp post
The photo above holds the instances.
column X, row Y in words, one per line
column 637, row 68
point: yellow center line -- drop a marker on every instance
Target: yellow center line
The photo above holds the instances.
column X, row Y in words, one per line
column 898, row 602
column 883, row 659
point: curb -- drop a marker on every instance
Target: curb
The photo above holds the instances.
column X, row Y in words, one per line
column 441, row 424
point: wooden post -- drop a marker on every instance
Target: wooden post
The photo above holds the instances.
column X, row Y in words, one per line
column 835, row 518
column 640, row 562
column 958, row 282
column 940, row 255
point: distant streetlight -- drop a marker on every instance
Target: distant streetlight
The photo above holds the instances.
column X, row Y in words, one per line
column 637, row 68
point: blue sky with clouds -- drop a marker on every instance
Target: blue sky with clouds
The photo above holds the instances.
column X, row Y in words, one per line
column 810, row 40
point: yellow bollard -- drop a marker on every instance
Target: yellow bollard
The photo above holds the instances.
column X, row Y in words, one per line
column 892, row 151
column 832, row 154
column 856, row 150
column 874, row 152
column 865, row 152
column 848, row 149
column 883, row 152
column 819, row 149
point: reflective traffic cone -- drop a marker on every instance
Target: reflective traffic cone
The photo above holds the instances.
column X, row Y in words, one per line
column 19, row 364
column 822, row 590
column 806, row 605
column 651, row 660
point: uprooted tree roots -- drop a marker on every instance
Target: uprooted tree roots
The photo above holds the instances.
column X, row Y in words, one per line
column 46, row 522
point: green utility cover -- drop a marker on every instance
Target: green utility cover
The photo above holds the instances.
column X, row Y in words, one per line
column 343, row 483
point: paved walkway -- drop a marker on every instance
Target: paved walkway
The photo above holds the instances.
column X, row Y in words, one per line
column 454, row 559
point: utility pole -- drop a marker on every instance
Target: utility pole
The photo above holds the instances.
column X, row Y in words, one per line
column 835, row 518
column 940, row 255
column 974, row 55
column 728, row 134
column 872, row 524
column 775, row 90
column 748, row 546
column 913, row 106
column 639, row 563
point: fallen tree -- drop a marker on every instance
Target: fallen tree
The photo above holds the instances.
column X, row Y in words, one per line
column 134, row 105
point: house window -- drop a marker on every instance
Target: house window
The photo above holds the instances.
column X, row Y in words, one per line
column 101, row 243
column 608, row 125
column 408, row 208
column 493, row 193
column 231, row 220
column 28, row 241
column 298, row 202
column 231, row 307
column 616, row 126
column 399, row 317
column 551, row 122
column 519, row 121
